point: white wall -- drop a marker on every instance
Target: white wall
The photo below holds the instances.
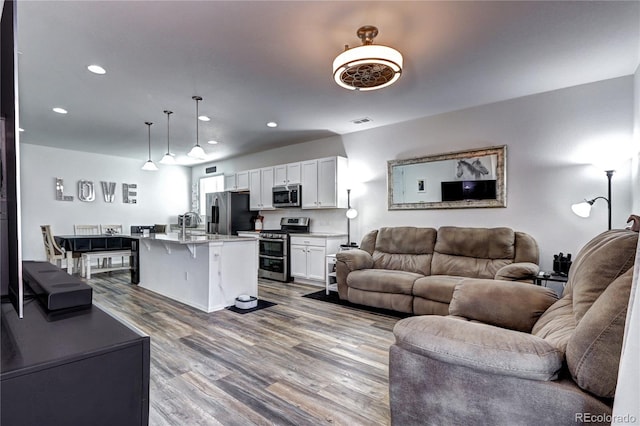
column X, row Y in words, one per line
column 162, row 195
column 551, row 140
column 635, row 177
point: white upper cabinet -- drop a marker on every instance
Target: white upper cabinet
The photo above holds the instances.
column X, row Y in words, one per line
column 286, row 174
column 237, row 182
column 261, row 189
column 242, row 181
column 230, row 182
column 322, row 183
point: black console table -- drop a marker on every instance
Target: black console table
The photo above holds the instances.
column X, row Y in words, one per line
column 88, row 369
column 89, row 243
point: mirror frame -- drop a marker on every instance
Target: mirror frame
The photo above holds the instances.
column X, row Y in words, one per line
column 501, row 180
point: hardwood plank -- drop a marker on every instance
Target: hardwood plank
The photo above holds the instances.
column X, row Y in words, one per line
column 301, row 362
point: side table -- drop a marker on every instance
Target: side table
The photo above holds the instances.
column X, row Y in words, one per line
column 331, row 281
column 546, row 277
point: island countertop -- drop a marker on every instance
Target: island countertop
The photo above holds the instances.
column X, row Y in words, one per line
column 174, row 237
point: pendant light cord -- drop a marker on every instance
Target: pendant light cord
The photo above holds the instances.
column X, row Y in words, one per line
column 197, row 99
column 149, row 136
column 168, row 115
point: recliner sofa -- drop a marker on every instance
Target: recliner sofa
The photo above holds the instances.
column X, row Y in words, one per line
column 510, row 353
column 415, row 270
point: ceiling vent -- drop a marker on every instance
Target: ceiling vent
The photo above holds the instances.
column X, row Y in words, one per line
column 362, row 120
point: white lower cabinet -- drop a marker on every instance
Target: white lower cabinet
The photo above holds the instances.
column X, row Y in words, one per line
column 308, row 256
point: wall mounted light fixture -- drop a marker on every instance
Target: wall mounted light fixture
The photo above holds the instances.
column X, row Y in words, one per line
column 583, row 209
column 149, row 165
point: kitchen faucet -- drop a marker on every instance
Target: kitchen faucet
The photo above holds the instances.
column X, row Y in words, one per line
column 194, row 215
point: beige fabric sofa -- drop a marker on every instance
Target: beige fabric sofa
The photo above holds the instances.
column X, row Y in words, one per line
column 511, row 353
column 415, row 270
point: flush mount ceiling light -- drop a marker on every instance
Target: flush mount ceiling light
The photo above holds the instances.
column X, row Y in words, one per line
column 212, row 142
column 60, row 110
column 96, row 69
column 367, row 67
column 168, row 157
column 197, row 151
column 272, row 124
column 149, row 165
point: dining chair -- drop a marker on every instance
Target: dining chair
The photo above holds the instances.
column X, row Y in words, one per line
column 111, row 229
column 54, row 253
column 86, row 229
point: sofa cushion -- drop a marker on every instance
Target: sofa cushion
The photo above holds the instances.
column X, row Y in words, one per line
column 393, row 301
column 429, row 307
column 556, row 325
column 436, row 287
column 513, row 305
column 479, row 346
column 446, row 264
column 405, row 248
column 593, row 351
column 526, row 249
column 472, row 252
column 482, row 243
column 368, row 242
column 382, row 280
column 599, row 263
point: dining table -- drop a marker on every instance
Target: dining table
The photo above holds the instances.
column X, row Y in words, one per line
column 104, row 242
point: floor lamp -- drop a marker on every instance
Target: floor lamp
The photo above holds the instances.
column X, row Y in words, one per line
column 351, row 214
column 583, row 209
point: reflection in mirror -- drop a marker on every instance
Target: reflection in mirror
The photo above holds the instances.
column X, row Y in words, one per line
column 464, row 179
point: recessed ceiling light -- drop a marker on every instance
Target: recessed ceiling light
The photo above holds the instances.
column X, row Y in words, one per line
column 212, row 142
column 204, row 118
column 96, row 69
column 272, row 124
column 60, row 110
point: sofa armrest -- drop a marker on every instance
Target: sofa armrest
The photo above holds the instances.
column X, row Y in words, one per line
column 355, row 259
column 517, row 271
column 507, row 304
column 480, row 347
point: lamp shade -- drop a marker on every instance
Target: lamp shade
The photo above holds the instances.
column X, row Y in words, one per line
column 582, row 209
column 168, row 159
column 149, row 166
column 352, row 213
column 197, row 152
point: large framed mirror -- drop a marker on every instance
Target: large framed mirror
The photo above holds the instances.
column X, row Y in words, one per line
column 464, row 179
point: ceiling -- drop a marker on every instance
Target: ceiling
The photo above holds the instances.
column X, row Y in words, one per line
column 258, row 61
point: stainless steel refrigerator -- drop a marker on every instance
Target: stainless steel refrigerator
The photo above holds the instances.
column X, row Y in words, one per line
column 228, row 213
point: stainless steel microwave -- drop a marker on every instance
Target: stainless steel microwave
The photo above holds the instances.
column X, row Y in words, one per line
column 287, row 196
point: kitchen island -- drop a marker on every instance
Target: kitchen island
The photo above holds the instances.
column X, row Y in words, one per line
column 206, row 272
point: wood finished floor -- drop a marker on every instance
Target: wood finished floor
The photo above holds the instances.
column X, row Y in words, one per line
column 302, row 362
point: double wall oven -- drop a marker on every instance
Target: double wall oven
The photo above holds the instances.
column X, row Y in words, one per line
column 274, row 262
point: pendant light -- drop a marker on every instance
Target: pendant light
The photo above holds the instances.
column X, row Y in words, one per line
column 168, row 157
column 197, row 151
column 149, row 165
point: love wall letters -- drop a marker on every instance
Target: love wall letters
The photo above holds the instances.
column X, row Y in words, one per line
column 87, row 192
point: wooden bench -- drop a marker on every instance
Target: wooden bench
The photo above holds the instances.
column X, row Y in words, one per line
column 104, row 261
